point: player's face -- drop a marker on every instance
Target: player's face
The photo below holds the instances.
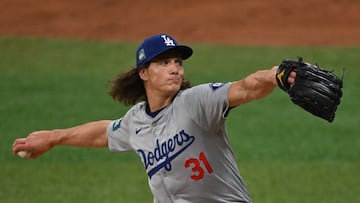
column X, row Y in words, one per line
column 164, row 76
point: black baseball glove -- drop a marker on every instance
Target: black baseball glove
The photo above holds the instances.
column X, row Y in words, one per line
column 316, row 90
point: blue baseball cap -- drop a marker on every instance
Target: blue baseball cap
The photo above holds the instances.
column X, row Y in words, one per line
column 156, row 45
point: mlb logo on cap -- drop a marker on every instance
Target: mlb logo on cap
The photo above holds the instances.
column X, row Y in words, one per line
column 156, row 45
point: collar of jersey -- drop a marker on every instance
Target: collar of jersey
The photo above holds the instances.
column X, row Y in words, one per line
column 152, row 114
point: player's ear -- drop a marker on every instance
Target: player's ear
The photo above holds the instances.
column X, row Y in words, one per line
column 143, row 73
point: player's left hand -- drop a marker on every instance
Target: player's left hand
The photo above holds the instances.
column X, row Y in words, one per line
column 315, row 89
column 291, row 78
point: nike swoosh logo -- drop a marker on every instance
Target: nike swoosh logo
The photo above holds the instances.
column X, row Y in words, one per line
column 138, row 130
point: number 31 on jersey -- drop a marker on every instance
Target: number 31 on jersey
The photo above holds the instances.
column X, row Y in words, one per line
column 199, row 166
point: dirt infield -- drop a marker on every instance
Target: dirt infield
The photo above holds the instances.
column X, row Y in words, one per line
column 245, row 22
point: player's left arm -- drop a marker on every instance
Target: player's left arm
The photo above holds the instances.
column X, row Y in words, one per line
column 255, row 86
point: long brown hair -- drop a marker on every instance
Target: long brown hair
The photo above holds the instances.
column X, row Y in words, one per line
column 128, row 87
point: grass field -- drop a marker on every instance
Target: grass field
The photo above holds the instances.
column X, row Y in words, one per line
column 284, row 153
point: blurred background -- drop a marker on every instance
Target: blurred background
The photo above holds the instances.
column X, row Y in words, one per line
column 255, row 22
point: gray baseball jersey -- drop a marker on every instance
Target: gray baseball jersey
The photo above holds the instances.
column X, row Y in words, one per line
column 184, row 148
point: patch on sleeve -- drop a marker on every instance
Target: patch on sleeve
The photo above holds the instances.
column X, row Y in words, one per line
column 215, row 86
column 116, row 125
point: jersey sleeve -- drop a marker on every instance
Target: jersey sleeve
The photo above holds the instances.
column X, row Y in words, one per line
column 118, row 136
column 208, row 104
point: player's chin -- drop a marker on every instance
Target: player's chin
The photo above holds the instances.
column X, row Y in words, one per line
column 174, row 83
column 173, row 87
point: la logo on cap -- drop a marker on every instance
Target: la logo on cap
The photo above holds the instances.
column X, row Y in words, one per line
column 156, row 45
column 168, row 41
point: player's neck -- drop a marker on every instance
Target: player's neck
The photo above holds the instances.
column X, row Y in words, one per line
column 156, row 102
column 152, row 113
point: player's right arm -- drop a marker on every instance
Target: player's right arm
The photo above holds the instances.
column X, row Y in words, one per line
column 91, row 134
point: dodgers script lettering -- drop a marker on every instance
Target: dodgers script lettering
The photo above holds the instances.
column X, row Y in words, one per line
column 165, row 152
